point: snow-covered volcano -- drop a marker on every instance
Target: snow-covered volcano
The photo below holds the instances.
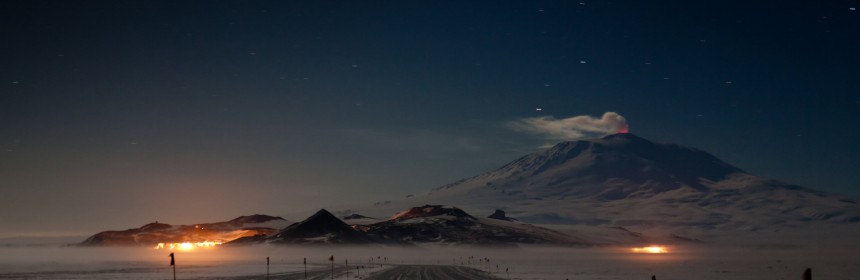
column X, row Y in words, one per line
column 625, row 180
column 614, row 167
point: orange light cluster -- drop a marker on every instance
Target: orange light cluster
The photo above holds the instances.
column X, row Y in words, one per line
column 653, row 249
column 187, row 246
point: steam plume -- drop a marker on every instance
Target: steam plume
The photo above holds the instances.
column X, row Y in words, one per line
column 572, row 128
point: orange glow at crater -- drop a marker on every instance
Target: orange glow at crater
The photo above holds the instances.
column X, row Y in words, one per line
column 653, row 249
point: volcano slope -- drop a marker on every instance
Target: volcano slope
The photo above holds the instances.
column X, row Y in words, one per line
column 623, row 180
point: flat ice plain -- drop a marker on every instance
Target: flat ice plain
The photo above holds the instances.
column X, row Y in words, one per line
column 704, row 262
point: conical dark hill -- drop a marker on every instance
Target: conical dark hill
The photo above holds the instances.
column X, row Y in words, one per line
column 320, row 228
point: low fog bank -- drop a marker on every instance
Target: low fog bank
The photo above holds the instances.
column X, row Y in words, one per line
column 41, row 241
column 612, row 262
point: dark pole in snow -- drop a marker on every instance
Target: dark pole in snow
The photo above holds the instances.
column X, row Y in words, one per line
column 653, row 277
column 807, row 274
column 267, row 268
column 173, row 264
column 305, row 261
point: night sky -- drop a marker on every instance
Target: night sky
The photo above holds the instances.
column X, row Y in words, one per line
column 118, row 113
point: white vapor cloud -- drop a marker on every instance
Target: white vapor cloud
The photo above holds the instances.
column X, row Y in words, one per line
column 572, row 128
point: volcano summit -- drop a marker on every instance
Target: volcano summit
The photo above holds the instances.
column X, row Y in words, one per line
column 626, row 180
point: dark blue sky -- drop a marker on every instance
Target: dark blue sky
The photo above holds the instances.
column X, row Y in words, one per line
column 121, row 112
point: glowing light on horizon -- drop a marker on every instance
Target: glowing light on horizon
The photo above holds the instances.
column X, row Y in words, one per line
column 653, row 249
column 187, row 246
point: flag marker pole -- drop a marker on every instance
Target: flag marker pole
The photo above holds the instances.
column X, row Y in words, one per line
column 173, row 264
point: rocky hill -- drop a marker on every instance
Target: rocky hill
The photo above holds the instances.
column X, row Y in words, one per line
column 154, row 233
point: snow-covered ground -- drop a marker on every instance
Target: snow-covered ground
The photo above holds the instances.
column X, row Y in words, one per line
column 682, row 262
column 147, row 263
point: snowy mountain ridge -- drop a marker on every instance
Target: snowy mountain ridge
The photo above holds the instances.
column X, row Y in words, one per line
column 625, row 180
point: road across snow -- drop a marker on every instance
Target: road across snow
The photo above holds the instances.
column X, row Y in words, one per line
column 430, row 272
column 395, row 272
